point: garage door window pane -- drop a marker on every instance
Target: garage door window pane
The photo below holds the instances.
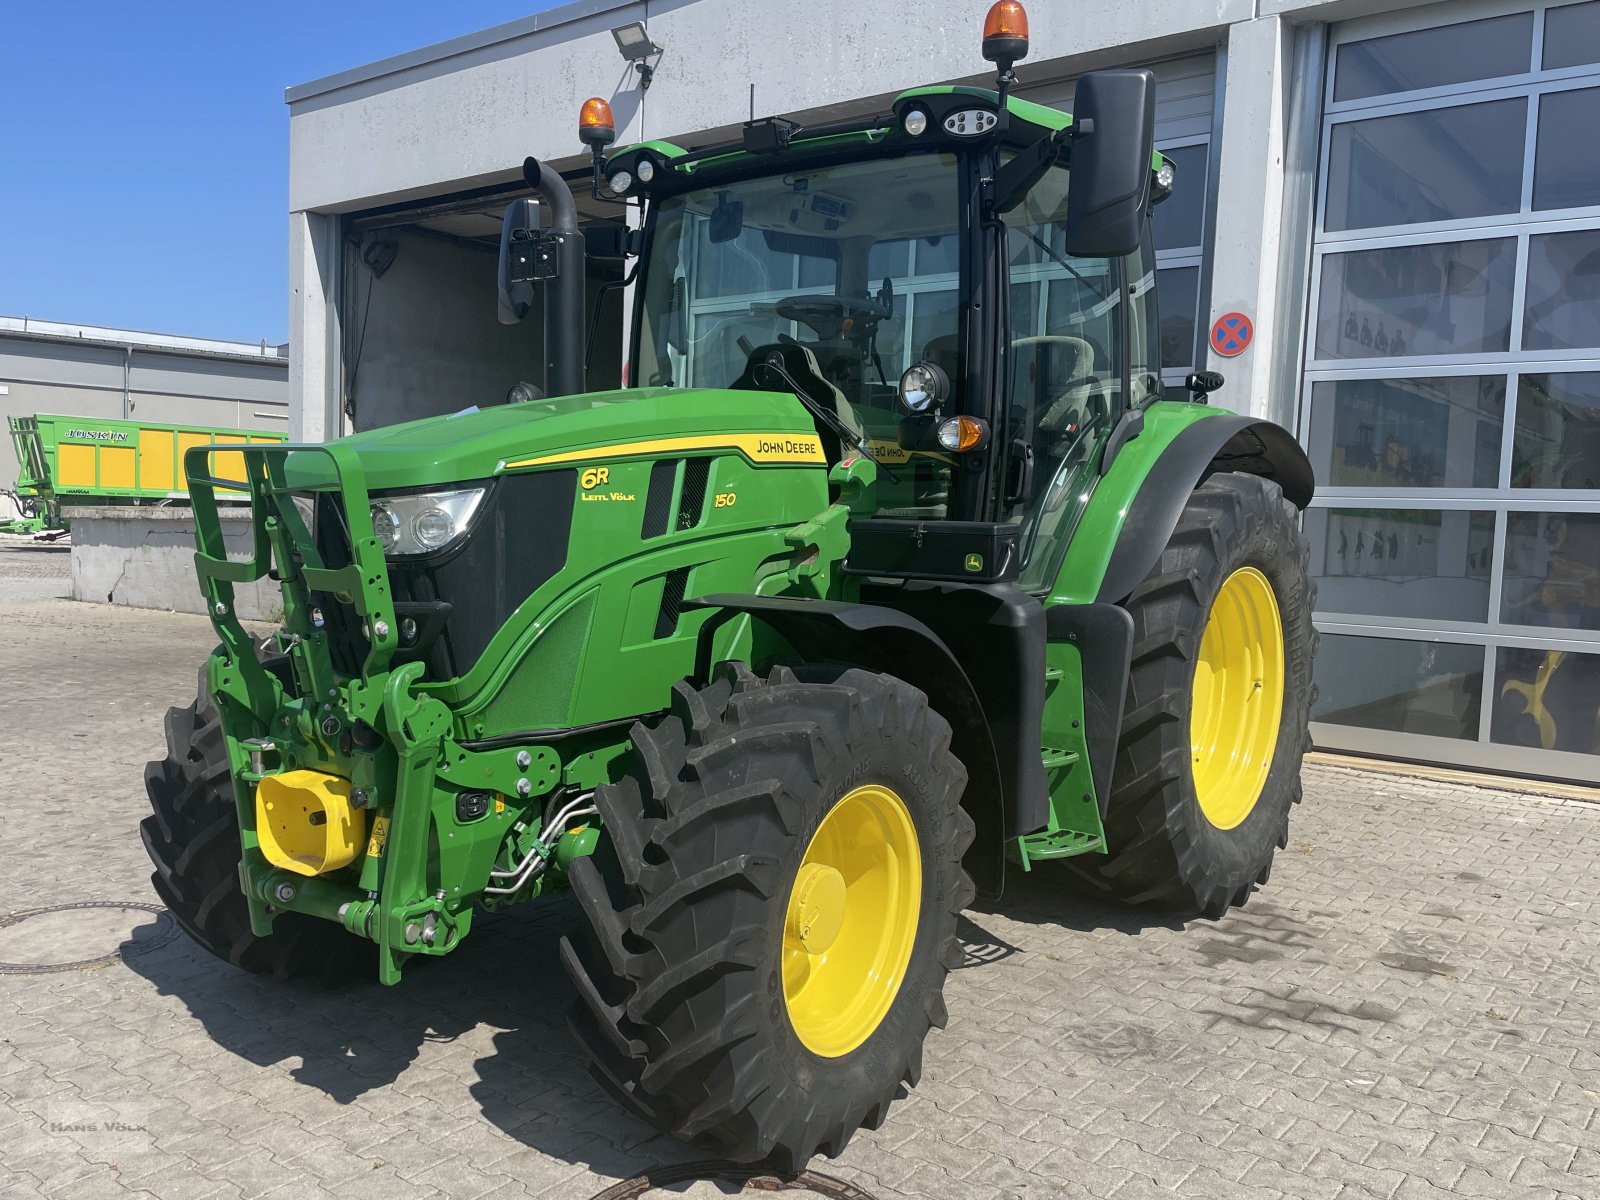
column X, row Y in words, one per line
column 1553, row 571
column 1427, row 166
column 1557, row 443
column 1180, row 218
column 1546, row 700
column 1563, row 291
column 933, row 329
column 753, row 268
column 1565, row 175
column 1430, row 58
column 938, row 256
column 1178, row 291
column 1444, row 298
column 1406, row 433
column 1431, row 688
column 1572, row 36
column 1402, row 562
column 888, row 259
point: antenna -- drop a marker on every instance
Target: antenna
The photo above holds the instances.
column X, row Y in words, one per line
column 752, row 103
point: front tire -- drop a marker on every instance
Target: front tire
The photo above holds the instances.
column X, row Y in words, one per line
column 770, row 919
column 1216, row 722
column 192, row 837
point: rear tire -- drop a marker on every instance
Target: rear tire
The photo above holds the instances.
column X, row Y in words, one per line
column 686, row 1008
column 1163, row 848
column 192, row 837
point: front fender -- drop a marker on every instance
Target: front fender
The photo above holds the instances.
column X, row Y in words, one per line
column 884, row 639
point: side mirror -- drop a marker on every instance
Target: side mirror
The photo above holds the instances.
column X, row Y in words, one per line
column 524, row 260
column 608, row 241
column 1114, row 118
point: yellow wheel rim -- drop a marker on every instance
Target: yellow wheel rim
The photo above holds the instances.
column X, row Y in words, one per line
column 851, row 921
column 1237, row 703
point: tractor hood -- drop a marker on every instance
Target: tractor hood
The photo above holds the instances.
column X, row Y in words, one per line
column 480, row 443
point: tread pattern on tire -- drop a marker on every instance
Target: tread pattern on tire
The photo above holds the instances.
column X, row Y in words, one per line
column 192, row 837
column 677, row 1008
column 1161, row 852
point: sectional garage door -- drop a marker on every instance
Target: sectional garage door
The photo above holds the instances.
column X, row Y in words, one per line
column 1452, row 394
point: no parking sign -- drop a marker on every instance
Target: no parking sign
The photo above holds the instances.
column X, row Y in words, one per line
column 1232, row 334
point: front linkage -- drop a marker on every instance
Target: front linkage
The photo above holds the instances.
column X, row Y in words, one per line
column 400, row 828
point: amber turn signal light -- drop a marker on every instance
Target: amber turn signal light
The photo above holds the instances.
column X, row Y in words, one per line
column 961, row 434
column 1005, row 32
column 596, row 125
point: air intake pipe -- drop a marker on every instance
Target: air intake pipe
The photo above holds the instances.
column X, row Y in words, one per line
column 531, row 257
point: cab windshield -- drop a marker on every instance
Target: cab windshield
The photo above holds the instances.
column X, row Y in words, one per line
column 854, row 266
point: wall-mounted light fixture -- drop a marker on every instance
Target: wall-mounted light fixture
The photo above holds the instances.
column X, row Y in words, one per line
column 637, row 48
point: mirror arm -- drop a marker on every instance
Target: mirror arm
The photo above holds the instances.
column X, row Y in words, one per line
column 1016, row 179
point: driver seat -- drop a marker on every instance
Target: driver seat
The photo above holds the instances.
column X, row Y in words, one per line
column 1060, row 411
column 801, row 362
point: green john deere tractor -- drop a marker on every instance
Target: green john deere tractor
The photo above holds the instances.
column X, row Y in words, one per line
column 894, row 568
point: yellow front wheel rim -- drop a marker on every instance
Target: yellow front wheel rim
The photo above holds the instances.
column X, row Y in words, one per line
column 1237, row 702
column 851, row 921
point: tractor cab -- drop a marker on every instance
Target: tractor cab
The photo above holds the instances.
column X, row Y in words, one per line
column 961, row 290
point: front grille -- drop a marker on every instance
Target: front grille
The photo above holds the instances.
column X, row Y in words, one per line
column 671, row 603
column 461, row 598
column 692, row 504
column 658, row 500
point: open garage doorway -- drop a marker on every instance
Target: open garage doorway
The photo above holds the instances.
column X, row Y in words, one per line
column 418, row 309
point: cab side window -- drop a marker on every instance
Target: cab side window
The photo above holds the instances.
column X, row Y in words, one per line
column 1067, row 355
column 1144, row 324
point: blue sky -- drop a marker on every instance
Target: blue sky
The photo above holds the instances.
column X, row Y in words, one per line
column 144, row 149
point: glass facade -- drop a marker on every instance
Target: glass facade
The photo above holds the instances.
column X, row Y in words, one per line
column 1451, row 402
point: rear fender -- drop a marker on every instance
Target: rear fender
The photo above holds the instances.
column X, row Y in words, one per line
column 1137, row 503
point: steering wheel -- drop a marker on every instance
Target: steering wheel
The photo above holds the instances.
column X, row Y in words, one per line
column 826, row 316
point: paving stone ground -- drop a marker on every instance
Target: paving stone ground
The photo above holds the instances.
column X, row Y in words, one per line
column 1408, row 1011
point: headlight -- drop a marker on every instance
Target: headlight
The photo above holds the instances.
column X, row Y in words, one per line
column 621, row 182
column 646, row 170
column 916, row 122
column 423, row 522
column 924, row 387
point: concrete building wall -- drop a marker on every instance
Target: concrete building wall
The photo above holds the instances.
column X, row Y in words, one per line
column 91, row 372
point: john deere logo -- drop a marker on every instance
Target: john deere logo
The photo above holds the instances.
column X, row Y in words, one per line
column 974, row 562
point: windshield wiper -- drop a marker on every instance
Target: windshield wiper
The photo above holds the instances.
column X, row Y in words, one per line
column 1034, row 238
column 846, row 435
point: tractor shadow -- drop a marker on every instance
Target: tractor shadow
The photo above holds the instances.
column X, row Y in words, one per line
column 527, row 1077
column 503, row 998
column 1049, row 895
